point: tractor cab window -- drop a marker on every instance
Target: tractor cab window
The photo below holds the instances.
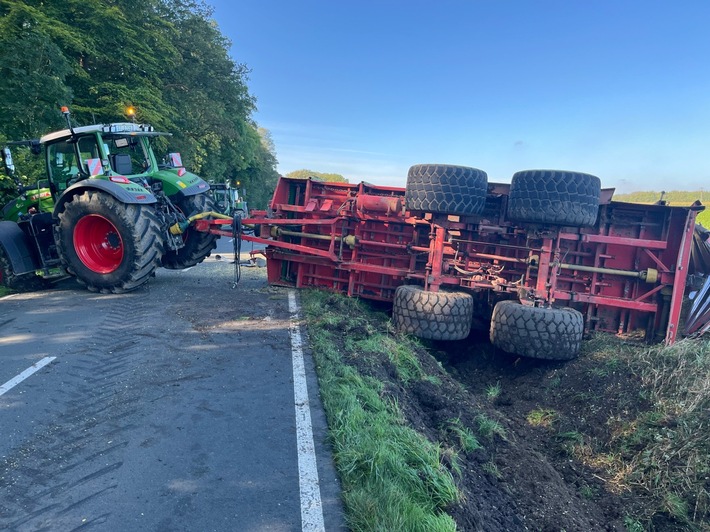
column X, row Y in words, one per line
column 90, row 156
column 63, row 165
column 127, row 155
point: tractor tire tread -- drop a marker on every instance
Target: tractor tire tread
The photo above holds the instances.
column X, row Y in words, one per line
column 554, row 197
column 432, row 315
column 537, row 332
column 446, row 189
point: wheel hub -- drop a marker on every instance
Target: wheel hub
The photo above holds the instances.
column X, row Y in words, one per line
column 98, row 244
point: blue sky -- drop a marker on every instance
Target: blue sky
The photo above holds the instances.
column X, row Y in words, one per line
column 619, row 89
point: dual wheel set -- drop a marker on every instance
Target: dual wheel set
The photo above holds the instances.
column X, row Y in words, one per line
column 536, row 197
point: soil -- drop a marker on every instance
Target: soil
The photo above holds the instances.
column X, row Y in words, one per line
column 533, row 478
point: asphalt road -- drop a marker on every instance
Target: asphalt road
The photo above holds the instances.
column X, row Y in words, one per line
column 169, row 408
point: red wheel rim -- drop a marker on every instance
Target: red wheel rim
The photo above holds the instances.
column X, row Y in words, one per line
column 98, row 244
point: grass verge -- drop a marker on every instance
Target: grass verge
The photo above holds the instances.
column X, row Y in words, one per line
column 393, row 478
column 668, row 448
column 662, row 453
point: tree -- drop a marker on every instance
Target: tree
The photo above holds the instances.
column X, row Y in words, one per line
column 33, row 69
column 303, row 174
column 166, row 58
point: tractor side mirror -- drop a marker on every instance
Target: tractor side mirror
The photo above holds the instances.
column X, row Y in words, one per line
column 35, row 147
column 7, row 161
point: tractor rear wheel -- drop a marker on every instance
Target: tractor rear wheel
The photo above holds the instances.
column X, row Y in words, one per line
column 432, row 315
column 446, row 189
column 198, row 245
column 554, row 197
column 110, row 246
column 537, row 332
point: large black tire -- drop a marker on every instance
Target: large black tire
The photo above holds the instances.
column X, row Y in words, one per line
column 20, row 283
column 27, row 282
column 537, row 332
column 432, row 315
column 554, row 197
column 111, row 247
column 446, row 189
column 198, row 245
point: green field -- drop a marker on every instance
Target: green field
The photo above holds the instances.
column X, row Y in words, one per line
column 677, row 198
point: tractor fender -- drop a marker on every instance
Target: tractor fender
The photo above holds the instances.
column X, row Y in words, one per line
column 18, row 248
column 122, row 194
column 179, row 184
column 193, row 190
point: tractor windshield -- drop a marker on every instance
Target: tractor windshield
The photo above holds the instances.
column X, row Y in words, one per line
column 128, row 155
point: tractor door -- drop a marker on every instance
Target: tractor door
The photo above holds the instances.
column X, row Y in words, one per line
column 63, row 167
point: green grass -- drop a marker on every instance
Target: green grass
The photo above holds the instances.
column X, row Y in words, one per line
column 668, row 447
column 5, row 291
column 467, row 441
column 493, row 392
column 676, row 198
column 489, row 428
column 633, row 525
column 399, row 353
column 542, row 417
column 393, row 478
column 661, row 452
column 492, row 469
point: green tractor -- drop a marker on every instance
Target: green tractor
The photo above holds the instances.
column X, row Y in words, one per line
column 104, row 212
column 227, row 200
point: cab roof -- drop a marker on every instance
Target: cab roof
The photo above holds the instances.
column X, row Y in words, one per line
column 118, row 128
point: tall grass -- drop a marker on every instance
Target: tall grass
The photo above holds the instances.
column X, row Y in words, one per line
column 392, row 476
column 669, row 447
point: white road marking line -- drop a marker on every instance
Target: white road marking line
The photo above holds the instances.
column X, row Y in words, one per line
column 34, row 368
column 311, row 504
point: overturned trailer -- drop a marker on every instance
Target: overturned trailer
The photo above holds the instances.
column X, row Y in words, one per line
column 543, row 258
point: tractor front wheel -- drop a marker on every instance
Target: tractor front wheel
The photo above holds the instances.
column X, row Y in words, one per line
column 197, row 245
column 110, row 246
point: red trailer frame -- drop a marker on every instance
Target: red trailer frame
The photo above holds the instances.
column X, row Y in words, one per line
column 626, row 274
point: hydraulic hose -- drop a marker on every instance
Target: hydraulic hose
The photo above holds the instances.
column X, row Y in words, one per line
column 180, row 227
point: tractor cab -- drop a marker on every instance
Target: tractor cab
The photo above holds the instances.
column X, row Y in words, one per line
column 119, row 153
column 227, row 200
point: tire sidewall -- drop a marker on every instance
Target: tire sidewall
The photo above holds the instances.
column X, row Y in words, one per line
column 97, row 203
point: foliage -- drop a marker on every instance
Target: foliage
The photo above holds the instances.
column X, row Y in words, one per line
column 303, row 174
column 166, row 58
